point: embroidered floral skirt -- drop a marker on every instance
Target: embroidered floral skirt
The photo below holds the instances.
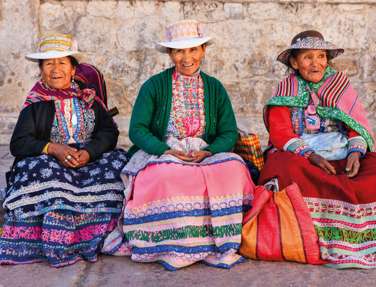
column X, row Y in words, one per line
column 178, row 214
column 343, row 209
column 60, row 215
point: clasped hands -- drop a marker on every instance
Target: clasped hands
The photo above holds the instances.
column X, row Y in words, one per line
column 195, row 156
column 69, row 156
column 352, row 165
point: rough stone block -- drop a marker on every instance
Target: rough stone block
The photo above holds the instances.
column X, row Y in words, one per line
column 234, row 10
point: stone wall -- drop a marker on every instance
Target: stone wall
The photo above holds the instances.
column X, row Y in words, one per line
column 119, row 37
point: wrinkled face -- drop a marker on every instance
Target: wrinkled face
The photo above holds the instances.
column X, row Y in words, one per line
column 187, row 61
column 58, row 72
column 311, row 64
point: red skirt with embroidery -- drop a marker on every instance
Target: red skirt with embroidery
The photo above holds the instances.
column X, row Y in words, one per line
column 343, row 209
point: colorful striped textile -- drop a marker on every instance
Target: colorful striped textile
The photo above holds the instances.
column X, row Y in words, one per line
column 59, row 237
column 343, row 209
column 347, row 232
column 41, row 92
column 279, row 227
column 287, row 87
column 332, row 91
column 181, row 213
column 249, row 148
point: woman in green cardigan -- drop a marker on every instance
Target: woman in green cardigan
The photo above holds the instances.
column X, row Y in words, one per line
column 186, row 192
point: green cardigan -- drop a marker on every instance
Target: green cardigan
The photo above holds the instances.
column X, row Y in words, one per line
column 151, row 114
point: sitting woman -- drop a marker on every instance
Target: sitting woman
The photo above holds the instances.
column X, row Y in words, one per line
column 64, row 192
column 322, row 141
column 186, row 192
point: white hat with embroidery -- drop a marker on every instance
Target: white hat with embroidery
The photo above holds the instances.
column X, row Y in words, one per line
column 55, row 45
column 184, row 34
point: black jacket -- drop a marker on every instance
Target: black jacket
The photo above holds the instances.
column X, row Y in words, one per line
column 33, row 130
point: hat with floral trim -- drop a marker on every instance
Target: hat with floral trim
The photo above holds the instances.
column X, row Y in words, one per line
column 309, row 39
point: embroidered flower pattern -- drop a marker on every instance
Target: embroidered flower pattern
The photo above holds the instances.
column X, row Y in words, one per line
column 95, row 171
column 187, row 117
column 117, row 164
column 45, row 172
column 73, row 123
column 109, row 175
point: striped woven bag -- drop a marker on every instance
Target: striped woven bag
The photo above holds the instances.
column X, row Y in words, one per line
column 249, row 148
column 279, row 227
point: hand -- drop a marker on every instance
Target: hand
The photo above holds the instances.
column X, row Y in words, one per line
column 65, row 154
column 179, row 154
column 353, row 164
column 83, row 157
column 321, row 162
column 198, row 156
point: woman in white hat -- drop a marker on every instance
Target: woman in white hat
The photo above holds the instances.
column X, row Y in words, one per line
column 64, row 192
column 320, row 135
column 186, row 192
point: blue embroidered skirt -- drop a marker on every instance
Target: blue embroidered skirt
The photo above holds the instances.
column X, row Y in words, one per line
column 58, row 214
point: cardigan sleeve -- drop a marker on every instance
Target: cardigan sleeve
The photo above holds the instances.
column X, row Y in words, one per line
column 105, row 135
column 224, row 119
column 140, row 126
column 25, row 140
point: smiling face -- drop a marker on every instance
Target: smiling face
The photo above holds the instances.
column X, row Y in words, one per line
column 58, row 72
column 187, row 61
column 311, row 64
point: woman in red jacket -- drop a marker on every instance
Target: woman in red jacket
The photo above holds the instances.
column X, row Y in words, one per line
column 320, row 138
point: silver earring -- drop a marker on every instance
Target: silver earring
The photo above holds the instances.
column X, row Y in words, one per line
column 73, row 83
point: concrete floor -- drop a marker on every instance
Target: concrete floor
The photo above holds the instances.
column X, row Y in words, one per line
column 121, row 271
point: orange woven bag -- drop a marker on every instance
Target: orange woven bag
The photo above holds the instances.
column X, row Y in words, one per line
column 249, row 148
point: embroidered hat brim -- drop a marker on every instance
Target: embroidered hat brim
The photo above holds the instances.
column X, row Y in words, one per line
column 183, row 44
column 55, row 45
column 310, row 43
column 51, row 55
